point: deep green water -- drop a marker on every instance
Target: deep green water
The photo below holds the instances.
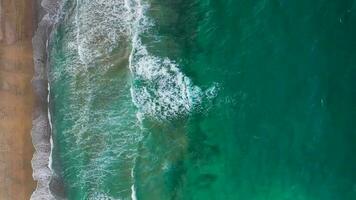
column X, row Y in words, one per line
column 205, row 99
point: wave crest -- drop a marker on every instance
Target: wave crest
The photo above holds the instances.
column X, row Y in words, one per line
column 159, row 90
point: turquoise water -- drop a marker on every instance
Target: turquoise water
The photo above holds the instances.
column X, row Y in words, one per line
column 205, row 99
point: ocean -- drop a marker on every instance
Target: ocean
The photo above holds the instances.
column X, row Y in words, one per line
column 204, row 99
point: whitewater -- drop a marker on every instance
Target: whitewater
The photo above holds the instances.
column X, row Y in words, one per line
column 104, row 34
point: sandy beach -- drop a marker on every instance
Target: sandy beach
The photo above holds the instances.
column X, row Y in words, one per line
column 16, row 99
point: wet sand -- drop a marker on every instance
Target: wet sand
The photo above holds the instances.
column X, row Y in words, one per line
column 16, row 99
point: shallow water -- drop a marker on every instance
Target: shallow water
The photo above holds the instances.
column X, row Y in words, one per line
column 154, row 99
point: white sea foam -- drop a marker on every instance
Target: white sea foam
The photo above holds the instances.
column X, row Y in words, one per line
column 98, row 36
column 133, row 188
column 100, row 196
column 50, row 125
column 159, row 90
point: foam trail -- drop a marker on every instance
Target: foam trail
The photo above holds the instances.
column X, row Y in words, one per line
column 50, row 125
column 133, row 189
column 133, row 193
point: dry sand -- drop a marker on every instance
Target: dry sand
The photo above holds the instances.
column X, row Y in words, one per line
column 16, row 99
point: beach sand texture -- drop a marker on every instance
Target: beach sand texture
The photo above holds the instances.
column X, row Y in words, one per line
column 16, row 99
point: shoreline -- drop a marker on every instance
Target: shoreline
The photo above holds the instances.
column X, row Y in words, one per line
column 48, row 187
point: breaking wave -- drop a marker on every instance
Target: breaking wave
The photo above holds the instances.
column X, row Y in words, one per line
column 159, row 90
